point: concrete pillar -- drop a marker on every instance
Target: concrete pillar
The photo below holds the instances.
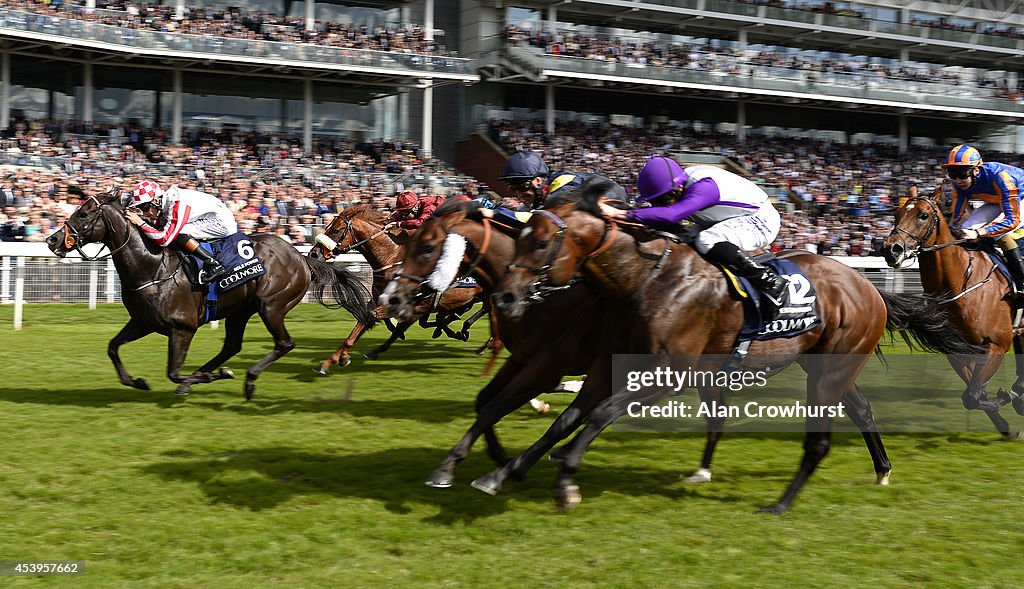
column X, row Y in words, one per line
column 552, row 19
column 741, row 122
column 5, row 90
column 179, row 9
column 904, row 55
column 176, row 106
column 741, row 40
column 307, row 115
column 403, row 115
column 86, row 114
column 428, row 20
column 310, row 15
column 549, row 109
column 428, row 119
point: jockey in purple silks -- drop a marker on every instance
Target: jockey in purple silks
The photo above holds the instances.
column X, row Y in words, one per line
column 734, row 215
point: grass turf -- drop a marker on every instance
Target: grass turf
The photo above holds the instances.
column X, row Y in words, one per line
column 307, row 486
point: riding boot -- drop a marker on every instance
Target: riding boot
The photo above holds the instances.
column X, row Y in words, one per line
column 771, row 285
column 1015, row 262
column 212, row 269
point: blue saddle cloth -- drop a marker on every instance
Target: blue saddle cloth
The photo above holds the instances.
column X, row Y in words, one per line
column 796, row 314
column 991, row 249
column 238, row 255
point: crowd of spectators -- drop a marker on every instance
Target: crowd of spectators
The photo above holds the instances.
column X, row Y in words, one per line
column 239, row 24
column 716, row 55
column 836, row 199
column 266, row 179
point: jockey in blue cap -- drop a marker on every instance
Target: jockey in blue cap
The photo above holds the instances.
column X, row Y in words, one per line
column 532, row 183
column 734, row 215
column 1000, row 187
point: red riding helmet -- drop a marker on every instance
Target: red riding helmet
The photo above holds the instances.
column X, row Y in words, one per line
column 406, row 201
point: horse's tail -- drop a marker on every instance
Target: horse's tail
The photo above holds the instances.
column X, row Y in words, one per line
column 923, row 322
column 347, row 290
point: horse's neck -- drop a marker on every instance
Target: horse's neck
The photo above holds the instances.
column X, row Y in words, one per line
column 378, row 248
column 946, row 269
column 500, row 253
column 631, row 272
column 131, row 255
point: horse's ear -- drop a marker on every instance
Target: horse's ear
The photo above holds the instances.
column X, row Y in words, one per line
column 937, row 195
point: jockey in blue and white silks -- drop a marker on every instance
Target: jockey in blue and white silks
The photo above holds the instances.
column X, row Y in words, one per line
column 735, row 216
column 1000, row 187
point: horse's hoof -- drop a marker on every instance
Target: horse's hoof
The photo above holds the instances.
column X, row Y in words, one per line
column 701, row 475
column 540, row 407
column 1003, row 397
column 321, row 370
column 250, row 391
column 488, row 483
column 1018, row 405
column 226, row 373
column 439, row 480
column 777, row 509
column 567, row 498
column 141, row 384
column 344, row 361
column 462, row 336
column 1010, row 437
column 183, row 390
column 370, row 355
column 883, row 478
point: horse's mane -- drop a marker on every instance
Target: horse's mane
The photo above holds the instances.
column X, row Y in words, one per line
column 365, row 212
column 454, row 205
column 586, row 197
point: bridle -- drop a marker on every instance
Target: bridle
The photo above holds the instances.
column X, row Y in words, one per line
column 73, row 237
column 330, row 253
column 928, row 234
column 541, row 286
column 421, row 290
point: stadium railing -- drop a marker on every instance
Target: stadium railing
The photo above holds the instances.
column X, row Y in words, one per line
column 88, row 33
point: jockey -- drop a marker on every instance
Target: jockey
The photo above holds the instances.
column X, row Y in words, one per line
column 532, row 183
column 734, row 215
column 411, row 209
column 181, row 217
column 1000, row 187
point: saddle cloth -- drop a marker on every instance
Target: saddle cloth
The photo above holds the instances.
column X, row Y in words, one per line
column 238, row 255
column 796, row 314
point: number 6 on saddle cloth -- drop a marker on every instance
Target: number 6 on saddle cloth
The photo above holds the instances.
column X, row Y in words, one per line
column 237, row 254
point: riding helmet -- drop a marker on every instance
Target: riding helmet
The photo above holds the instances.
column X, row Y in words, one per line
column 963, row 155
column 523, row 166
column 659, row 175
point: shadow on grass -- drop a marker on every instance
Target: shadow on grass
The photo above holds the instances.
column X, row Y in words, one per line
column 264, row 478
column 98, row 397
column 422, row 410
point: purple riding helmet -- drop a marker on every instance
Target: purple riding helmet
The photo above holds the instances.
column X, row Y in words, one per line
column 660, row 175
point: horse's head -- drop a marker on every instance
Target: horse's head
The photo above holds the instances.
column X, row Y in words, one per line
column 349, row 229
column 88, row 224
column 433, row 259
column 918, row 224
column 552, row 247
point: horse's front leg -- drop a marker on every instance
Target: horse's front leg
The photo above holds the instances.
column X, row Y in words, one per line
column 977, row 375
column 132, row 331
column 341, row 355
column 396, row 334
column 715, row 425
column 177, row 350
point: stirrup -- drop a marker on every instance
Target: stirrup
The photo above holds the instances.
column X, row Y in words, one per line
column 207, row 277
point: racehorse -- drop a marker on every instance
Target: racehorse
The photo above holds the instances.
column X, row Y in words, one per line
column 561, row 338
column 689, row 312
column 976, row 296
column 160, row 298
column 363, row 229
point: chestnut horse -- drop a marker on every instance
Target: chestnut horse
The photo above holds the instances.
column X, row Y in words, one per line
column 160, row 298
column 561, row 338
column 688, row 312
column 976, row 293
column 362, row 228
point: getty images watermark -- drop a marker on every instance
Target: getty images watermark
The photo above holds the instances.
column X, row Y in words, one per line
column 907, row 392
column 730, row 377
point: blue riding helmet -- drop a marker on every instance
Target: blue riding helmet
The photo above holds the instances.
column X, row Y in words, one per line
column 523, row 166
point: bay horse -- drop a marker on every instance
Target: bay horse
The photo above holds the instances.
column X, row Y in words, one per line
column 363, row 229
column 160, row 298
column 564, row 337
column 688, row 312
column 976, row 295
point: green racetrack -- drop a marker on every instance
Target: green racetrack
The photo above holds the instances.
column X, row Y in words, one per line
column 318, row 482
